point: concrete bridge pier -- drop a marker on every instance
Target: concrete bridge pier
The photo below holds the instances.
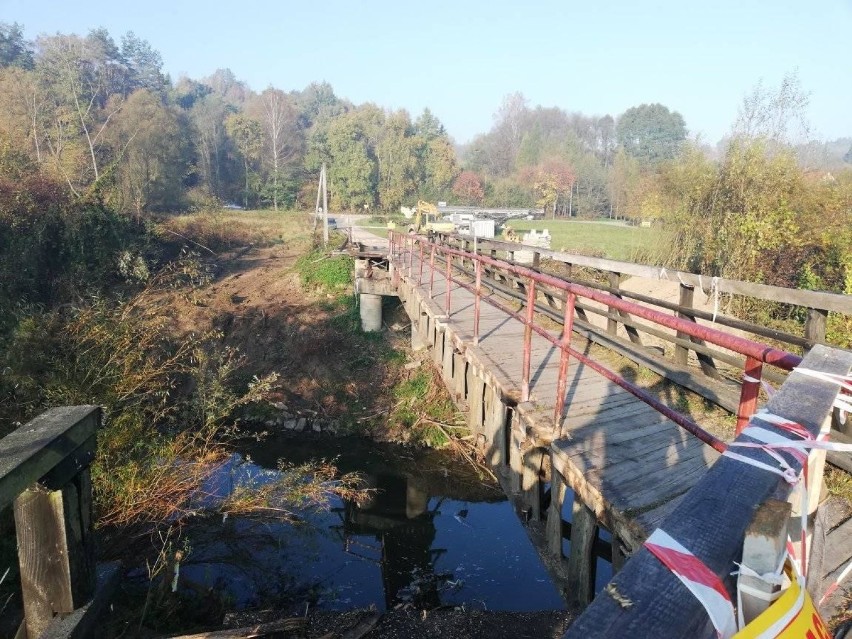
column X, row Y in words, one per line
column 372, row 283
column 371, row 312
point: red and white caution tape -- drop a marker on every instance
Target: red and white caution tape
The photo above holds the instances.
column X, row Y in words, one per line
column 836, row 584
column 704, row 584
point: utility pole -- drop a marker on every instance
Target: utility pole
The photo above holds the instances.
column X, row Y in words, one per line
column 324, row 187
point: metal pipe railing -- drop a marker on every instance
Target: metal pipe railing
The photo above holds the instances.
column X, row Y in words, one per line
column 756, row 353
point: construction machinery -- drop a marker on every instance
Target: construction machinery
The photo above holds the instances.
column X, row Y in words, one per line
column 427, row 219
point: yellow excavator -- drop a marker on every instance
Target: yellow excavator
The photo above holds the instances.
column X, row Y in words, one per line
column 426, row 220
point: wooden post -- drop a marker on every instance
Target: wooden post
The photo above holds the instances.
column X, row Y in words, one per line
column 476, row 391
column 447, row 362
column 815, row 325
column 687, row 294
column 708, row 366
column 55, row 551
column 763, row 549
column 459, row 376
column 531, row 481
column 554, row 512
column 493, row 429
column 617, row 554
column 438, row 350
column 614, row 283
column 536, row 261
column 44, row 474
column 583, row 528
column 516, row 462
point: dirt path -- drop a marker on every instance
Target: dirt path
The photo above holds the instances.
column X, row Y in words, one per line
column 257, row 305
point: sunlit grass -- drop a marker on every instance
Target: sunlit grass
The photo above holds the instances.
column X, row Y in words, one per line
column 223, row 229
column 599, row 239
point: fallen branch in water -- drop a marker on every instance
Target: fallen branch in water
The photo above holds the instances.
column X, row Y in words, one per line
column 457, row 445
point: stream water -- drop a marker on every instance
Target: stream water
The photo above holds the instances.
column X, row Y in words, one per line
column 431, row 535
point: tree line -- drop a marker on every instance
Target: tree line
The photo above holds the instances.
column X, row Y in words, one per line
column 101, row 120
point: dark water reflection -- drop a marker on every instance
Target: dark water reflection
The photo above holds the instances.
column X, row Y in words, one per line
column 431, row 535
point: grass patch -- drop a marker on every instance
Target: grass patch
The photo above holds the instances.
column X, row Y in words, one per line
column 222, row 230
column 598, row 239
column 838, row 482
column 322, row 271
column 423, row 410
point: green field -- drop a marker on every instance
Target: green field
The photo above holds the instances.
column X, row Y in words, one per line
column 600, row 239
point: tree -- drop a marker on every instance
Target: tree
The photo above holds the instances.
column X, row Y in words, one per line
column 623, row 181
column 429, row 127
column 468, row 188
column 508, row 131
column 247, row 136
column 281, row 136
column 145, row 64
column 651, row 133
column 353, row 168
column 151, row 155
column 14, row 50
column 79, row 75
column 775, row 115
column 397, row 158
column 208, row 119
column 550, row 180
column 438, row 169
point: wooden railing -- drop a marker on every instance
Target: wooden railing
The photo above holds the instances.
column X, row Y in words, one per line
column 571, row 295
column 733, row 502
column 44, row 475
column 719, row 372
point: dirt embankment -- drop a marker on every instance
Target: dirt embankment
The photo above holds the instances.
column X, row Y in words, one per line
column 257, row 304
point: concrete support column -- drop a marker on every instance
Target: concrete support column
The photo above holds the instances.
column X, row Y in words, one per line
column 371, row 312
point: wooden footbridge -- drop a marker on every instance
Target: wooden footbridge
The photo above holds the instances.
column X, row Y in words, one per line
column 515, row 348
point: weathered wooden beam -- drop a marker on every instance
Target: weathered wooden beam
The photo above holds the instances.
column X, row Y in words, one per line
column 764, row 548
column 815, row 325
column 812, row 299
column 554, row 512
column 36, row 448
column 711, row 521
column 55, row 551
column 580, row 558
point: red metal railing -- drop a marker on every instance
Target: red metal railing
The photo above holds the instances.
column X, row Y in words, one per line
column 756, row 353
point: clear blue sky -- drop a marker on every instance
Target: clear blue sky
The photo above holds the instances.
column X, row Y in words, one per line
column 460, row 58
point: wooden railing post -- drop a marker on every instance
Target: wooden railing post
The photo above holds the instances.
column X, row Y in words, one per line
column 554, row 513
column 431, row 270
column 530, row 314
column 815, row 325
column 44, row 472
column 476, row 302
column 764, row 547
column 611, row 324
column 687, row 294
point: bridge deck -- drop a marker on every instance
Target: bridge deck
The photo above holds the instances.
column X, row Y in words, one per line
column 627, row 462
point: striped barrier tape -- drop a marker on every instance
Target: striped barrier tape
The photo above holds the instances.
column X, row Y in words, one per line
column 703, row 583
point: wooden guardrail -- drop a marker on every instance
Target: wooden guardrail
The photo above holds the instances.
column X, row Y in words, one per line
column 645, row 599
column 709, row 378
column 44, row 475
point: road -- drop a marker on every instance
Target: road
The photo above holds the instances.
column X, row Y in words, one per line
column 359, row 234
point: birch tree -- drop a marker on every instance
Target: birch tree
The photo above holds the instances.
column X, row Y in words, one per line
column 281, row 136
